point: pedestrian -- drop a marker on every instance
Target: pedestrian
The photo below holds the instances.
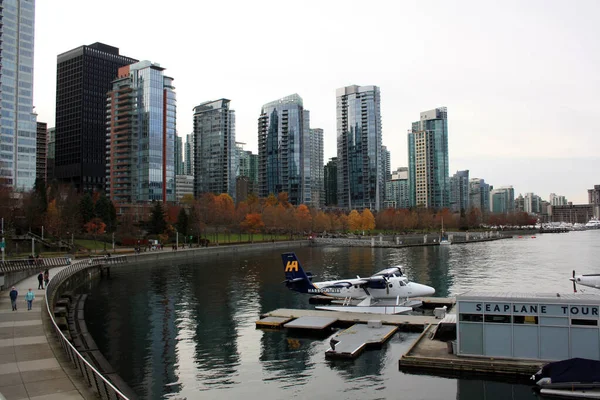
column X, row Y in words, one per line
column 41, row 281
column 29, row 296
column 46, row 277
column 13, row 298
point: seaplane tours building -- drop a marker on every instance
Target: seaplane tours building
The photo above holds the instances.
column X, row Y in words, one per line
column 528, row 326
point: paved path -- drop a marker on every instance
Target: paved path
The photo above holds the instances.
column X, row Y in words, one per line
column 33, row 365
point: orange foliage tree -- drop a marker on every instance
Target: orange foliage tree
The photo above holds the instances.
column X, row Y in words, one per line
column 252, row 224
column 96, row 227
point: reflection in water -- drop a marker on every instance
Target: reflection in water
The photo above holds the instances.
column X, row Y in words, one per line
column 188, row 330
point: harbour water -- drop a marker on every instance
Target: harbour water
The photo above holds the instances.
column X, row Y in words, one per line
column 188, row 330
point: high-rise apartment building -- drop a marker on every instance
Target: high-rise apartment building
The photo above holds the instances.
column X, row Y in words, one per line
column 215, row 158
column 316, row 168
column 188, row 166
column 50, row 155
column 502, row 200
column 556, row 200
column 17, row 119
column 247, row 166
column 397, row 189
column 140, row 144
column 330, row 180
column 41, row 149
column 428, row 160
column 178, row 156
column 479, row 195
column 594, row 195
column 84, row 77
column 459, row 191
column 361, row 180
column 283, row 141
column 387, row 164
column 532, row 203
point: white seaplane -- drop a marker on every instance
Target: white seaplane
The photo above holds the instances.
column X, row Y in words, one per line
column 590, row 280
column 386, row 292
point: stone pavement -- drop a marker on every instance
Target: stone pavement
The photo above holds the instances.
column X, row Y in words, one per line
column 33, row 364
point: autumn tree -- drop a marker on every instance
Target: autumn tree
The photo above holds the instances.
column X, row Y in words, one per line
column 354, row 221
column 321, row 222
column 303, row 218
column 224, row 212
column 474, row 217
column 95, row 227
column 252, row 224
column 53, row 221
column 367, row 220
column 105, row 210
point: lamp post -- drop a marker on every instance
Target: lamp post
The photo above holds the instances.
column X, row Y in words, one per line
column 113, row 241
column 176, row 239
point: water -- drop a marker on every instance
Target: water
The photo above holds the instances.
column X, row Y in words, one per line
column 188, row 330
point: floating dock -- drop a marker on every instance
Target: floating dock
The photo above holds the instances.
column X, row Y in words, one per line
column 311, row 323
column 433, row 355
column 411, row 323
column 272, row 322
column 350, row 343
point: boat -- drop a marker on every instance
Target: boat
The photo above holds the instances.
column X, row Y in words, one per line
column 593, row 223
column 575, row 378
column 444, row 240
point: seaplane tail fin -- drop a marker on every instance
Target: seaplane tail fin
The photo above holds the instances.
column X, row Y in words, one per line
column 295, row 277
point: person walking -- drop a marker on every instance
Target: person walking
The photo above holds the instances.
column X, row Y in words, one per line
column 46, row 277
column 29, row 296
column 41, row 281
column 13, row 298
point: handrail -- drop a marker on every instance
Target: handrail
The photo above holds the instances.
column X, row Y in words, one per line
column 93, row 377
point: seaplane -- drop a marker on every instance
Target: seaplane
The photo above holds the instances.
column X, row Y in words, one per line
column 386, row 292
column 590, row 280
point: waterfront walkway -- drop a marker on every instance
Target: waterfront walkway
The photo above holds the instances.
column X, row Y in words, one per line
column 32, row 363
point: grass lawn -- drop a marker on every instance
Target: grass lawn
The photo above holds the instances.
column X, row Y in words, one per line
column 91, row 245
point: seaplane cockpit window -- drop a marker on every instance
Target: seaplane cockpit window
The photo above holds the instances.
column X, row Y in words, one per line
column 402, row 283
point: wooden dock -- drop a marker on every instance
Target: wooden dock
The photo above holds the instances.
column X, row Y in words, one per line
column 311, row 323
column 350, row 343
column 411, row 323
column 432, row 355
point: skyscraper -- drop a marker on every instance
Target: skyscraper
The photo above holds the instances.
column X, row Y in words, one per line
column 360, row 161
column 397, row 193
column 387, row 165
column 502, row 200
column 283, row 136
column 330, row 177
column 50, row 155
column 140, row 145
column 428, row 160
column 479, row 195
column 18, row 120
column 214, row 149
column 41, row 151
column 83, row 78
column 178, row 156
column 189, row 154
column 316, row 168
column 459, row 191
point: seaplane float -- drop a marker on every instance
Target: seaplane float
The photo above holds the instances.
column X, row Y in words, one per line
column 387, row 292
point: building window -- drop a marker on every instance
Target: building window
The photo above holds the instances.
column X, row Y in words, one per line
column 525, row 319
column 586, row 322
column 498, row 319
column 471, row 317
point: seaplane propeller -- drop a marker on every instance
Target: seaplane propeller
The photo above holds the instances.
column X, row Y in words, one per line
column 574, row 284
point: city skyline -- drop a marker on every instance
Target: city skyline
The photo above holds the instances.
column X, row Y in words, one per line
column 514, row 95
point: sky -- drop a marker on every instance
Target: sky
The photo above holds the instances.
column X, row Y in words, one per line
column 520, row 79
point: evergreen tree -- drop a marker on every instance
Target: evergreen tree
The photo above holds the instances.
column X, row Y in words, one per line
column 105, row 210
column 157, row 223
column 39, row 189
column 182, row 222
column 86, row 208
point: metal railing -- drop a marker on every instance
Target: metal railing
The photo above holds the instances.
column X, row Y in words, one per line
column 94, row 378
column 32, row 263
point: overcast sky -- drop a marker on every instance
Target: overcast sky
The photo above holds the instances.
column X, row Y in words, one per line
column 520, row 78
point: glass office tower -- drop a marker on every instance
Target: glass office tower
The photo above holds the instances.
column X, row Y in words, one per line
column 140, row 146
column 361, row 181
column 215, row 157
column 428, row 160
column 283, row 138
column 18, row 121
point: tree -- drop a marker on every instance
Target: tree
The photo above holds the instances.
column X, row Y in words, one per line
column 321, row 222
column 252, row 224
column 86, row 208
column 105, row 210
column 53, row 221
column 303, row 218
column 96, row 227
column 157, row 224
column 367, row 220
column 182, row 222
column 354, row 221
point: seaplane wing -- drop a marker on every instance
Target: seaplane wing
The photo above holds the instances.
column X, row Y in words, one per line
column 392, row 271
